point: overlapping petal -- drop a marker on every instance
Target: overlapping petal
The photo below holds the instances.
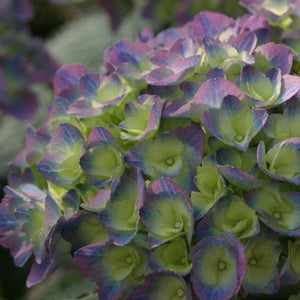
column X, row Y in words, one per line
column 175, row 65
column 271, row 55
column 210, row 185
column 167, row 213
column 281, row 161
column 219, row 266
column 211, row 94
column 27, row 216
column 98, row 94
column 83, row 229
column 102, row 161
column 281, row 127
column 66, row 80
column 142, row 118
column 237, row 50
column 128, row 58
column 121, row 215
column 240, row 169
column 172, row 154
column 171, row 256
column 210, row 24
column 234, row 123
column 61, row 166
column 262, row 254
column 231, row 214
column 57, row 251
column 281, row 212
column 115, row 269
column 268, row 90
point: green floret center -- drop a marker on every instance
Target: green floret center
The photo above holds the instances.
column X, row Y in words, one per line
column 218, row 267
column 122, row 263
column 106, row 162
column 238, row 219
column 166, row 155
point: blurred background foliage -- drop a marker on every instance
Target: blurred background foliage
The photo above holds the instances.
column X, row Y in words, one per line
column 78, row 32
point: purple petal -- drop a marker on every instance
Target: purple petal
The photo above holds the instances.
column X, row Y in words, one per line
column 240, row 178
column 88, row 85
column 211, row 94
column 70, row 202
column 58, row 250
column 210, row 24
column 82, row 229
column 88, row 258
column 290, row 86
column 101, row 136
column 259, row 25
column 20, row 250
column 98, row 203
column 167, row 38
column 124, row 52
column 244, row 42
column 256, row 6
column 175, row 74
column 67, row 78
column 52, row 212
column 177, row 108
column 66, row 136
column 279, row 56
column 58, row 108
column 183, row 47
column 92, row 87
column 215, row 73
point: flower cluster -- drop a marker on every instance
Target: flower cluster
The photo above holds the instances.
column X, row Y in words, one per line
column 23, row 60
column 174, row 175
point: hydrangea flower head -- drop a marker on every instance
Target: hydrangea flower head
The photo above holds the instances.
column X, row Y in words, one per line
column 174, row 175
